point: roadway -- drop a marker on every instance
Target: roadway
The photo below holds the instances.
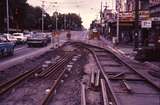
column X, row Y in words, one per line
column 23, row 52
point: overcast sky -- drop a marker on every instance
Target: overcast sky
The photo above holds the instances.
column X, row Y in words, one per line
column 88, row 9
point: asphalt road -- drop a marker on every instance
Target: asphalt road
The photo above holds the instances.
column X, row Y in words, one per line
column 21, row 53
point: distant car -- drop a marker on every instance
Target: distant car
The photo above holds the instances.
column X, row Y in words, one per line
column 10, row 37
column 27, row 34
column 6, row 47
column 21, row 38
column 37, row 40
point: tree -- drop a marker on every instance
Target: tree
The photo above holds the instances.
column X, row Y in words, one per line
column 24, row 16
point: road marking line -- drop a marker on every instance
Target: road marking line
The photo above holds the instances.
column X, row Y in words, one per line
column 20, row 48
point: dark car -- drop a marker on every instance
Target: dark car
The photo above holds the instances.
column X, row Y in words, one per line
column 37, row 40
column 49, row 37
column 6, row 47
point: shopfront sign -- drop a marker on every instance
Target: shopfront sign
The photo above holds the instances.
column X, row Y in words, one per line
column 154, row 2
column 126, row 16
column 130, row 16
column 146, row 24
column 144, row 15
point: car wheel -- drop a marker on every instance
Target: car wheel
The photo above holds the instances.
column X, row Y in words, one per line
column 43, row 44
column 29, row 45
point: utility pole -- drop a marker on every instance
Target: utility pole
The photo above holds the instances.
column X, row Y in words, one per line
column 64, row 22
column 136, row 25
column 43, row 16
column 101, row 18
column 56, row 20
column 118, row 10
column 7, row 10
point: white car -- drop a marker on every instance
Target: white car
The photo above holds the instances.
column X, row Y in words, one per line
column 20, row 37
column 10, row 38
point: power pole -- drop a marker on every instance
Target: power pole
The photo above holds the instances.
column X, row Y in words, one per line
column 43, row 16
column 136, row 25
column 118, row 10
column 64, row 22
column 101, row 18
column 56, row 20
column 7, row 10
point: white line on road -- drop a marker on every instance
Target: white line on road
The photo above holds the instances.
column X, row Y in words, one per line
column 22, row 58
column 16, row 49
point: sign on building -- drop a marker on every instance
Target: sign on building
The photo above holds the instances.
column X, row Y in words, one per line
column 154, row 2
column 126, row 16
column 146, row 24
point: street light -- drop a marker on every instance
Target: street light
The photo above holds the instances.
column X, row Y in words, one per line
column 118, row 10
column 7, row 10
column 43, row 16
column 136, row 25
column 65, row 20
column 56, row 20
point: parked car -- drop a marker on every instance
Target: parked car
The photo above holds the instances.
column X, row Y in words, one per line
column 49, row 37
column 10, row 37
column 27, row 34
column 37, row 40
column 21, row 38
column 6, row 47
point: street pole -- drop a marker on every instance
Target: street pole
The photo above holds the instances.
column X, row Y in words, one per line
column 64, row 22
column 101, row 18
column 136, row 25
column 7, row 8
column 43, row 16
column 56, row 21
column 118, row 10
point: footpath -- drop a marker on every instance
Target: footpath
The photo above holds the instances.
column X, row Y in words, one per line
column 122, row 49
column 127, row 51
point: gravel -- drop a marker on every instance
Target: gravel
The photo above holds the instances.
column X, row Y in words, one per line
column 15, row 70
column 69, row 93
column 33, row 90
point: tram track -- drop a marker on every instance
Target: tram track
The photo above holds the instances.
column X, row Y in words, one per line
column 4, row 87
column 124, row 84
column 54, row 74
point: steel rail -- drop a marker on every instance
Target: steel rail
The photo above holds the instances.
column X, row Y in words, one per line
column 111, row 92
column 59, row 71
column 104, row 93
column 48, row 70
column 114, row 98
column 11, row 83
column 52, row 66
column 62, row 64
column 83, row 94
column 157, row 86
column 54, row 85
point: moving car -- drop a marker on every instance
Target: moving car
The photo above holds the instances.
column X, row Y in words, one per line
column 21, row 38
column 6, row 47
column 38, row 39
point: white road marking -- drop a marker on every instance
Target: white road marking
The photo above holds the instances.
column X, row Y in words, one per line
column 16, row 49
column 22, row 58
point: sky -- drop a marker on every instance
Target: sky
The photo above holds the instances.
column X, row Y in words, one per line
column 87, row 9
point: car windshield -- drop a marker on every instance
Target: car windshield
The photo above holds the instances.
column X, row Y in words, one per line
column 17, row 34
column 37, row 36
column 26, row 33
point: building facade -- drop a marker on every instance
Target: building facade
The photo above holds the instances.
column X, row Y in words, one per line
column 155, row 17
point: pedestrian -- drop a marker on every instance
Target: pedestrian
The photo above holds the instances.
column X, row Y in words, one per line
column 68, row 35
